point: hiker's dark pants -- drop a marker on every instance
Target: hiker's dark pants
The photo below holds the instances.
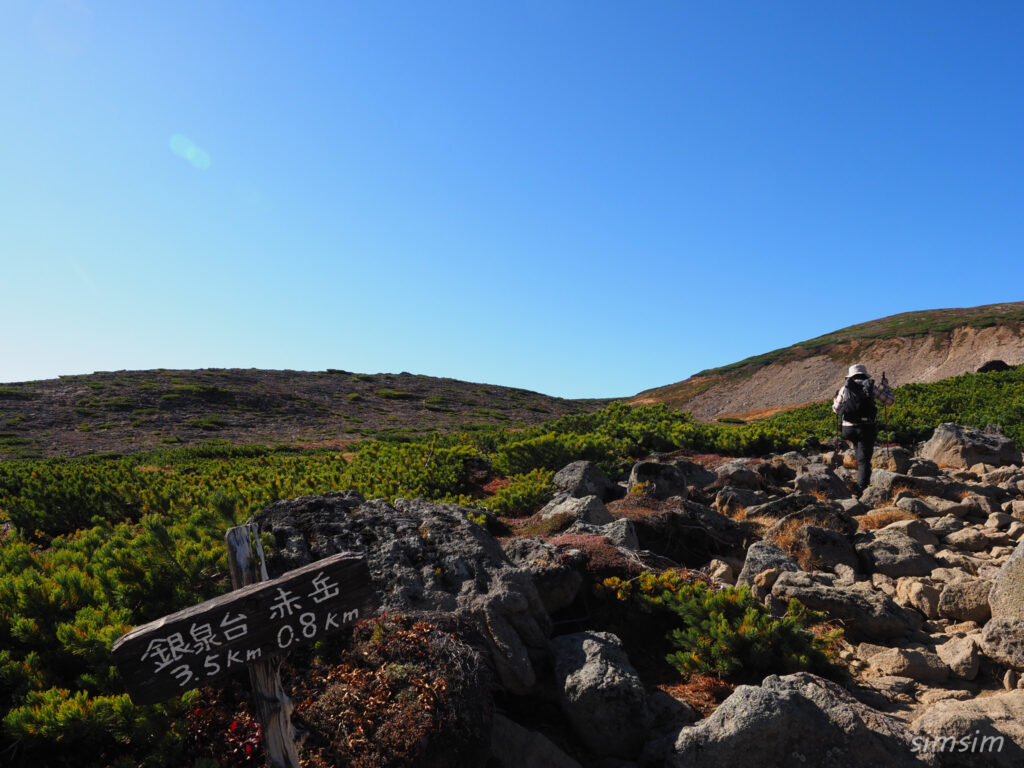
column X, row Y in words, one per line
column 863, row 438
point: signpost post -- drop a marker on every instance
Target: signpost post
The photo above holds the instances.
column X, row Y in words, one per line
column 249, row 627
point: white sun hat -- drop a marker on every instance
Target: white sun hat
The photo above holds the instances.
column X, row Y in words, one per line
column 855, row 369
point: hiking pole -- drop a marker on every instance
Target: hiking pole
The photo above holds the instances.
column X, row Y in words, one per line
column 885, row 412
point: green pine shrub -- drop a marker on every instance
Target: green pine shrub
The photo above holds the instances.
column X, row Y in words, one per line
column 524, row 494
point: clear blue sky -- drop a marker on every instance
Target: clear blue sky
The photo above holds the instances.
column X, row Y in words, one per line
column 581, row 198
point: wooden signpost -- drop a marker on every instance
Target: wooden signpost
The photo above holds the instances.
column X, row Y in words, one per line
column 250, row 627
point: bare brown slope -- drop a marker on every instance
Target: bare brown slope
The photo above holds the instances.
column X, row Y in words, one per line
column 813, row 370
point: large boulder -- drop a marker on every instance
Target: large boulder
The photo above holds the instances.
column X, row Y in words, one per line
column 1002, row 640
column 868, row 614
column 966, row 600
column 985, row 731
column 776, row 509
column 621, row 533
column 823, row 549
column 798, row 719
column 819, row 479
column 589, row 509
column 894, row 553
column 1007, row 595
column 958, row 446
column 423, row 557
column 763, row 556
column 584, row 478
column 687, row 532
column 557, row 582
column 923, row 666
column 600, row 693
column 658, row 480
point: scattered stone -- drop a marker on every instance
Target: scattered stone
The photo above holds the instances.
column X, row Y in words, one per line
column 923, row 666
column 958, row 446
column 762, row 556
column 985, row 731
column 912, row 592
column 589, row 509
column 557, row 583
column 869, row 614
column 892, row 459
column 798, row 719
column 1002, row 640
column 819, row 479
column 657, row 480
column 1007, row 595
column 893, row 553
column 966, row 600
column 732, row 500
column 584, row 478
column 915, row 529
column 962, row 655
column 738, row 475
column 600, row 693
column 824, row 549
column 721, row 571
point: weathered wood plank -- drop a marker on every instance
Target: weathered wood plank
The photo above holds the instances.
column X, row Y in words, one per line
column 272, row 703
column 208, row 641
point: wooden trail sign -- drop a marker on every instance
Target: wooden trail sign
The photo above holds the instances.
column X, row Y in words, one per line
column 213, row 639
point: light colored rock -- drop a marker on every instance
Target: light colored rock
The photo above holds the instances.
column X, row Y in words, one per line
column 958, row 446
column 620, row 532
column 893, row 553
column 589, row 509
column 584, row 478
column 1007, row 595
column 656, row 479
column 962, row 656
column 968, row 539
column 966, row 600
column 915, row 529
column 721, row 571
column 923, row 666
column 913, row 592
column 973, row 724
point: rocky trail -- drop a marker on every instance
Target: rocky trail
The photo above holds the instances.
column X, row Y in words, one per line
column 924, row 572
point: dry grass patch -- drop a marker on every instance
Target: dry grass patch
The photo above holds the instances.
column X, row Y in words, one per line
column 879, row 518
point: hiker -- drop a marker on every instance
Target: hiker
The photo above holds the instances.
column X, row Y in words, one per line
column 855, row 404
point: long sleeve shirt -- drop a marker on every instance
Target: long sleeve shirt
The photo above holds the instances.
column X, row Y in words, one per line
column 881, row 391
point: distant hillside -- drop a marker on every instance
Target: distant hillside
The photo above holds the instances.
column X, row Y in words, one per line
column 913, row 347
column 127, row 411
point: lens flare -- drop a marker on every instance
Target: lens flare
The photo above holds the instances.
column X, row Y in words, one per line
column 187, row 150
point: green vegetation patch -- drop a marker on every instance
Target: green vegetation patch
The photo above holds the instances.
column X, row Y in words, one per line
column 394, row 394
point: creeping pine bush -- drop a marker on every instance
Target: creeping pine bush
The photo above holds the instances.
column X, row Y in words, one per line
column 523, row 495
column 726, row 631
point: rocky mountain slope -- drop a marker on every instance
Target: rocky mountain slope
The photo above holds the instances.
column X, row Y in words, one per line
column 914, row 347
column 127, row 411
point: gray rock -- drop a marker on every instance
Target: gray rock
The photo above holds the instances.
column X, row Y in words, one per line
column 739, row 475
column 891, row 483
column 513, row 746
column 912, row 592
column 762, row 556
column 915, row 506
column 657, row 480
column 824, row 549
column 959, row 446
column 1002, row 640
column 923, row 666
column 600, row 693
column 584, row 478
column 694, row 474
column 915, row 529
column 620, row 532
column 557, row 583
column 893, row 553
column 923, row 468
column 962, row 656
column 423, row 557
column 985, row 731
column 820, row 479
column 966, row 600
column 868, row 613
column 589, row 509
column 968, row 539
column 798, row 719
column 943, row 526
column 892, row 459
column 1007, row 595
column 732, row 500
